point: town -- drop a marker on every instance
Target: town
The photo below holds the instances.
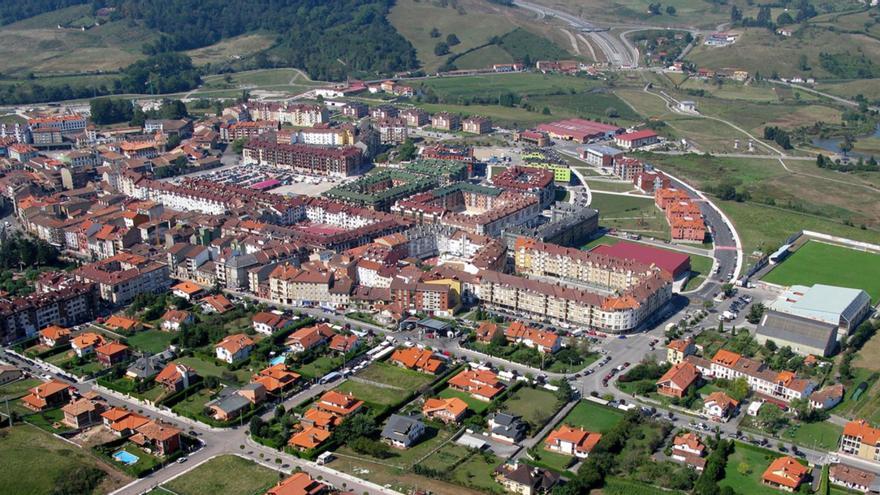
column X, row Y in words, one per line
column 342, row 290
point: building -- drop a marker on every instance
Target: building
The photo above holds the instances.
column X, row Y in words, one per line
column 413, row 358
column 678, row 379
column 446, row 121
column 291, row 285
column 174, row 319
column 782, row 385
column 677, row 350
column 535, row 181
column 487, row 331
column 544, row 341
column 47, row 395
column 122, row 277
column 216, row 304
column 268, row 323
column 785, row 473
column 355, row 110
column 415, row 117
column 234, row 348
column 827, row 397
column 523, row 479
column 600, row 156
column 718, row 406
column 229, row 407
column 187, row 290
column 67, row 124
column 433, row 299
column 476, row 125
column 507, row 427
column 672, row 264
column 111, row 353
column 650, row 181
column 53, row 335
column 383, row 112
column 481, row 384
column 176, row 377
column 853, row 478
column 303, row 158
column 688, row 449
column 627, row 168
column 840, row 306
column 9, row 374
column 72, row 304
column 82, row 412
column 86, row 343
column 534, row 138
column 805, row 336
column 573, row 441
column 276, row 379
column 402, row 432
column 638, row 139
column 579, row 130
column 340, row 404
column 859, row 439
column 308, row 338
column 295, row 114
column 299, row 484
column 452, row 410
column 160, row 438
column 392, row 131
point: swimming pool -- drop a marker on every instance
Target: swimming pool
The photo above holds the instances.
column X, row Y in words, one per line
column 277, row 360
column 125, row 457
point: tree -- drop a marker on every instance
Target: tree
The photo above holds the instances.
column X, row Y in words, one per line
column 756, row 311
column 784, row 18
column 441, row 48
column 173, row 109
column 435, row 33
column 452, row 39
column 238, row 145
column 670, row 10
column 110, row 111
column 739, row 389
column 847, row 144
column 743, row 468
column 407, row 150
column 546, row 111
column 771, row 417
column 612, row 113
column 735, row 14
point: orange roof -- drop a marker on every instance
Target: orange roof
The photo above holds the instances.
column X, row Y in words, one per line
column 682, row 375
column 415, row 358
column 187, row 288
column 690, row 440
column 111, row 349
column 298, row 484
column 680, row 345
column 478, row 382
column 54, row 332
column 276, row 377
column 786, row 471
column 722, row 399
column 486, row 330
column 321, row 419
column 77, row 407
column 171, row 373
column 310, row 336
column 726, row 358
column 235, row 343
column 116, row 322
column 87, row 339
column 157, row 432
column 343, row 343
column 339, row 403
column 862, row 430
column 121, row 419
column 453, row 406
column 219, row 302
column 519, row 331
column 115, row 414
column 583, row 440
column 309, row 438
column 176, row 315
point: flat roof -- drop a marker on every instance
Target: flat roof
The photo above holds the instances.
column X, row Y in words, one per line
column 822, row 302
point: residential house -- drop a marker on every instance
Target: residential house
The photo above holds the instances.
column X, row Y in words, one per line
column 147, row 367
column 451, row 410
column 217, row 303
column 82, row 412
column 276, row 379
column 339, row 403
column 234, row 348
column 85, row 343
column 544, row 341
column 859, row 439
column 678, row 379
column 268, row 323
column 719, row 406
column 507, row 427
column 161, row 439
column 343, row 343
column 118, row 323
column 176, row 377
column 47, row 395
column 402, row 432
column 481, row 384
column 413, row 358
column 229, row 407
column 523, row 479
column 174, row 319
column 299, row 484
column 254, row 392
column 571, row 440
column 308, row 338
column 122, row 422
column 677, row 350
column 688, row 449
column 487, row 331
column 9, row 374
column 853, row 478
column 187, row 290
column 54, row 335
column 827, row 397
column 785, row 473
column 309, row 438
column 782, row 385
column 112, row 353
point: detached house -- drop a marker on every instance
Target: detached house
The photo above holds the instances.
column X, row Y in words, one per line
column 308, row 338
column 573, row 441
column 689, row 450
column 47, row 395
column 719, row 406
column 174, row 319
column 234, row 348
column 268, row 323
column 481, row 384
column 82, row 412
column 546, row 342
column 678, row 379
column 786, row 474
column 402, row 432
column 54, row 335
column 417, row 359
column 218, row 304
column 85, row 343
column 176, row 377
column 112, row 353
column 522, row 479
column 276, row 379
column 450, row 410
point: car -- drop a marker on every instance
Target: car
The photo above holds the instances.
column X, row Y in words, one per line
column 193, row 433
column 626, row 365
column 182, row 460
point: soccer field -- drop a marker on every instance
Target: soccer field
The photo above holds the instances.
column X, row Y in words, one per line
column 820, row 263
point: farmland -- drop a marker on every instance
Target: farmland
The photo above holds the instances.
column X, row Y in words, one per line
column 213, row 477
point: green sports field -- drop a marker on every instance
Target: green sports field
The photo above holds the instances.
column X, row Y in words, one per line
column 821, row 263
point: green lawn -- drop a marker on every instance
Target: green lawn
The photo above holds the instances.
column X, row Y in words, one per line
column 206, row 368
column 372, row 394
column 535, row 405
column 557, row 462
column 18, row 388
column 225, row 475
column 194, row 405
column 474, row 405
column 389, row 374
column 476, row 473
column 821, row 263
column 446, row 457
column 32, row 460
column 631, row 213
column 319, row 367
column 152, row 341
column 593, row 417
column 757, row 460
column 144, row 463
column 820, row 436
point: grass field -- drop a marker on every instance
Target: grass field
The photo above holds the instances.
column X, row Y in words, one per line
column 866, row 357
column 757, row 460
column 206, row 368
column 476, row 473
column 371, row 394
column 823, row 435
column 632, row 214
column 194, row 405
column 396, row 376
column 593, row 417
column 523, row 83
column 483, row 57
column 535, row 405
column 474, row 405
column 446, row 457
column 231, row 49
column 32, row 460
column 820, row 263
column 216, row 477
column 18, row 388
column 319, row 367
column 152, row 341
